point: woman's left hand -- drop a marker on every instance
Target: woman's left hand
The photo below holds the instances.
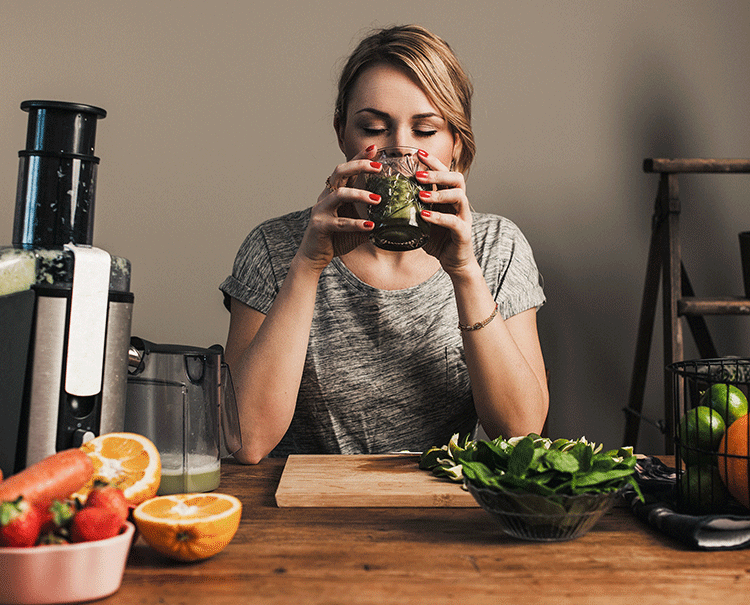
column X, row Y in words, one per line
column 449, row 216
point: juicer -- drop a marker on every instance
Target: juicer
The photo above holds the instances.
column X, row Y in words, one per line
column 65, row 306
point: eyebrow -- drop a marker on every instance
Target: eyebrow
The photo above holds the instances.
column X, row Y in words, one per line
column 383, row 114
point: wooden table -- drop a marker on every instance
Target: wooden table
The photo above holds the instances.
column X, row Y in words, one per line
column 425, row 555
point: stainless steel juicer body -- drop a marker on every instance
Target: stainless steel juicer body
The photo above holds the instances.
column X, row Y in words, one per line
column 76, row 371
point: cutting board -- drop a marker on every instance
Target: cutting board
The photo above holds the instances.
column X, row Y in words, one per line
column 386, row 480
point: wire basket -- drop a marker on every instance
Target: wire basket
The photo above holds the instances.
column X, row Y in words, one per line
column 711, row 435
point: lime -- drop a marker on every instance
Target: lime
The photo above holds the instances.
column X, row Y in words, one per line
column 726, row 399
column 699, row 434
column 702, row 490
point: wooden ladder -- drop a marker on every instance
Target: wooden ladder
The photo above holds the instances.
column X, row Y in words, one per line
column 678, row 298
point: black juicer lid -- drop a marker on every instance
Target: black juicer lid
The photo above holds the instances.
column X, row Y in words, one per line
column 60, row 128
column 57, row 175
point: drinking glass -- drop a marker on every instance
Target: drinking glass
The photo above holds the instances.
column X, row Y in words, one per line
column 398, row 221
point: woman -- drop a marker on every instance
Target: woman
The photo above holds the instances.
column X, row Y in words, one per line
column 337, row 346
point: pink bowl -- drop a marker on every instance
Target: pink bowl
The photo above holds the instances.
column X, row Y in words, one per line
column 64, row 573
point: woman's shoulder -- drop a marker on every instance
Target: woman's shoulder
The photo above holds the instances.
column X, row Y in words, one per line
column 507, row 262
column 293, row 221
column 493, row 229
column 280, row 231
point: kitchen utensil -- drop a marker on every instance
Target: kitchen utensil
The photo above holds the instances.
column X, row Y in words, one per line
column 543, row 518
column 388, row 480
column 74, row 378
column 182, row 399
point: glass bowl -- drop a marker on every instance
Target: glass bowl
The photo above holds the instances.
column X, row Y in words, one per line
column 541, row 518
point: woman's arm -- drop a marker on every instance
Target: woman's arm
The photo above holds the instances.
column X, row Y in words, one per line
column 266, row 354
column 504, row 360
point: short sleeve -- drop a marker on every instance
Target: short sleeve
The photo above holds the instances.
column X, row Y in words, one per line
column 508, row 265
column 252, row 280
column 263, row 260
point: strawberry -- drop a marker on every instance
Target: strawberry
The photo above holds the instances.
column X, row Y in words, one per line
column 55, row 521
column 94, row 523
column 20, row 523
column 109, row 497
column 57, row 516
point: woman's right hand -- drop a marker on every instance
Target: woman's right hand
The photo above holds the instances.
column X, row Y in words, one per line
column 335, row 227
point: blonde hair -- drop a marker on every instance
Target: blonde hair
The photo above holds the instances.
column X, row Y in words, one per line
column 434, row 65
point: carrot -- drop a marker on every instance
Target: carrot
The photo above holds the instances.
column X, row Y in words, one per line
column 54, row 478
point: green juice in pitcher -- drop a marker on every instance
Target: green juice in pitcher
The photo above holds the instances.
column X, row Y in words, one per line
column 202, row 475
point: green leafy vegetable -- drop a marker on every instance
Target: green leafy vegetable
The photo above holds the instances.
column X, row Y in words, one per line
column 535, row 465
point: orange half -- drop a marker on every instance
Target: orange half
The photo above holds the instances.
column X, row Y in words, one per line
column 189, row 527
column 128, row 461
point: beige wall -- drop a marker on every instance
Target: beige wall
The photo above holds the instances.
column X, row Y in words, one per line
column 219, row 116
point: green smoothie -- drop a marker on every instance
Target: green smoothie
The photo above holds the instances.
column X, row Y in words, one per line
column 398, row 222
column 202, row 475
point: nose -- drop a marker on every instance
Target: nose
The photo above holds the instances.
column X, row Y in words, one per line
column 399, row 151
column 402, row 138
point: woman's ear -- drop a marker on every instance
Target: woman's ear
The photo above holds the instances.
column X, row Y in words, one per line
column 457, row 149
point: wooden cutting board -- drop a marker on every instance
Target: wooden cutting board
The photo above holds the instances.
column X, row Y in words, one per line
column 387, row 480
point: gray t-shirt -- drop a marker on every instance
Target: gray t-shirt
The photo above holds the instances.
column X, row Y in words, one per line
column 385, row 369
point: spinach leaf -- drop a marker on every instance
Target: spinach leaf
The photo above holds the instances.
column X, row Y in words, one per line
column 535, row 465
column 521, row 457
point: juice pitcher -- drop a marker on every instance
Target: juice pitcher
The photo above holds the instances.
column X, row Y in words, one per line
column 183, row 400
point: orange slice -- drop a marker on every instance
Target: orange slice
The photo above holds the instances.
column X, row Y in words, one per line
column 188, row 527
column 126, row 460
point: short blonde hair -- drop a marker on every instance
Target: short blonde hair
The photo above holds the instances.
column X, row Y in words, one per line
column 436, row 68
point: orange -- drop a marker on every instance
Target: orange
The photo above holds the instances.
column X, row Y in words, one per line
column 126, row 460
column 734, row 471
column 189, row 527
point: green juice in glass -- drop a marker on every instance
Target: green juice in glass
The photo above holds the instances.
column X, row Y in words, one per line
column 398, row 221
column 202, row 474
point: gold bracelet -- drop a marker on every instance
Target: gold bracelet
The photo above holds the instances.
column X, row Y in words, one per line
column 480, row 324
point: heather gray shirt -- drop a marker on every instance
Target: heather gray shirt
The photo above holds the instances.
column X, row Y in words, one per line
column 385, row 369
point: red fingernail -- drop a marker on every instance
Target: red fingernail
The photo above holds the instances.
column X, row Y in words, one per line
column 426, row 213
column 423, row 153
column 377, row 165
column 425, row 195
column 369, row 224
column 420, row 174
column 370, row 148
column 374, row 197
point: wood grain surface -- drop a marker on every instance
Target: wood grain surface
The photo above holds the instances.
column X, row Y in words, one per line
column 424, row 556
column 365, row 480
